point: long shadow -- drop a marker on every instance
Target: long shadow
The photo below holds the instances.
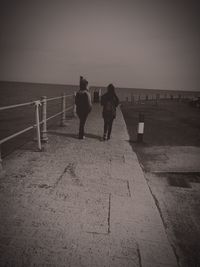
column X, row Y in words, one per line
column 75, row 136
column 63, row 134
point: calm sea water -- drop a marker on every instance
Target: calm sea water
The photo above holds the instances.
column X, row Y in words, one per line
column 14, row 120
column 16, row 92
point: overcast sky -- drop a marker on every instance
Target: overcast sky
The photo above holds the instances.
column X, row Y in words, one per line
column 131, row 43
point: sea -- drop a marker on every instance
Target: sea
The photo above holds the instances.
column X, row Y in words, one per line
column 14, row 120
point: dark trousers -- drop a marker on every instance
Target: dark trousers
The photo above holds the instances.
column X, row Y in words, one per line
column 108, row 127
column 83, row 119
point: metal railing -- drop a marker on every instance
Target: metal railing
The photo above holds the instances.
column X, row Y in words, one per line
column 40, row 126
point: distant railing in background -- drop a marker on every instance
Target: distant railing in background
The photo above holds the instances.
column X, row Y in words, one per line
column 40, row 126
column 147, row 95
column 155, row 98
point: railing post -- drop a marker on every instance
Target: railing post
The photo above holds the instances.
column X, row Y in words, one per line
column 44, row 137
column 63, row 115
column 1, row 167
column 74, row 108
column 132, row 98
column 37, row 119
column 100, row 95
column 157, row 98
column 2, row 171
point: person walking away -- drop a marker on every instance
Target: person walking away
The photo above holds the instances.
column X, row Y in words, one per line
column 83, row 105
column 109, row 101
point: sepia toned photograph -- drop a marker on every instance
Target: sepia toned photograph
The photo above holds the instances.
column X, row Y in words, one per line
column 99, row 133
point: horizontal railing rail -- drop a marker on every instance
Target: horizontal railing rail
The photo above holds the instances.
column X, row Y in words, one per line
column 16, row 134
column 32, row 102
column 40, row 125
column 17, row 106
column 59, row 97
column 59, row 113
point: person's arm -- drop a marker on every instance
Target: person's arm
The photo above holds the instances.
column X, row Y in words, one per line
column 76, row 98
column 102, row 100
column 89, row 100
column 116, row 101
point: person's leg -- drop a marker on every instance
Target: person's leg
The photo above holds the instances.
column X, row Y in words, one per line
column 105, row 129
column 109, row 128
column 80, row 135
column 82, row 125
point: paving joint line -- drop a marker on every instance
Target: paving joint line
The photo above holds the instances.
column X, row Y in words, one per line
column 139, row 256
column 70, row 167
column 128, row 186
column 109, row 207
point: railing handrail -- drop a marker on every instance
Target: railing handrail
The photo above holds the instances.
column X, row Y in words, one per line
column 59, row 113
column 32, row 102
column 16, row 134
column 37, row 102
column 31, row 127
column 59, row 97
column 17, row 105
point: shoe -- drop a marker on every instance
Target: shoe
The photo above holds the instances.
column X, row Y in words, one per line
column 81, row 137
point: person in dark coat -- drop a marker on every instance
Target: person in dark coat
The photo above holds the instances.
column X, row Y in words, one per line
column 83, row 105
column 109, row 101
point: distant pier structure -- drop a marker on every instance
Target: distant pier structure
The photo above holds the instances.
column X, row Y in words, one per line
column 138, row 95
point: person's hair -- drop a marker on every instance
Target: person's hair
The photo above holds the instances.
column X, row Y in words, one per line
column 111, row 89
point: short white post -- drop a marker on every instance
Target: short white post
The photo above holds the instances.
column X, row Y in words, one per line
column 63, row 115
column 140, row 130
column 37, row 118
column 44, row 136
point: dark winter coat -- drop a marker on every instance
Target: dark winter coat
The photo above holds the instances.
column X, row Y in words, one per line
column 109, row 103
column 83, row 102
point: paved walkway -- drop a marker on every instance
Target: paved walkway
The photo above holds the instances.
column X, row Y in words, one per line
column 80, row 203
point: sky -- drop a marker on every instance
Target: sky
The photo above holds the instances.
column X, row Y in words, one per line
column 130, row 43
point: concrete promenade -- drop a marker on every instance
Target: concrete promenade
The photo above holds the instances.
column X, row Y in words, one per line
column 80, row 203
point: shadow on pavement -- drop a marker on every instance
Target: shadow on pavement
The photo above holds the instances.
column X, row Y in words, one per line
column 75, row 136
